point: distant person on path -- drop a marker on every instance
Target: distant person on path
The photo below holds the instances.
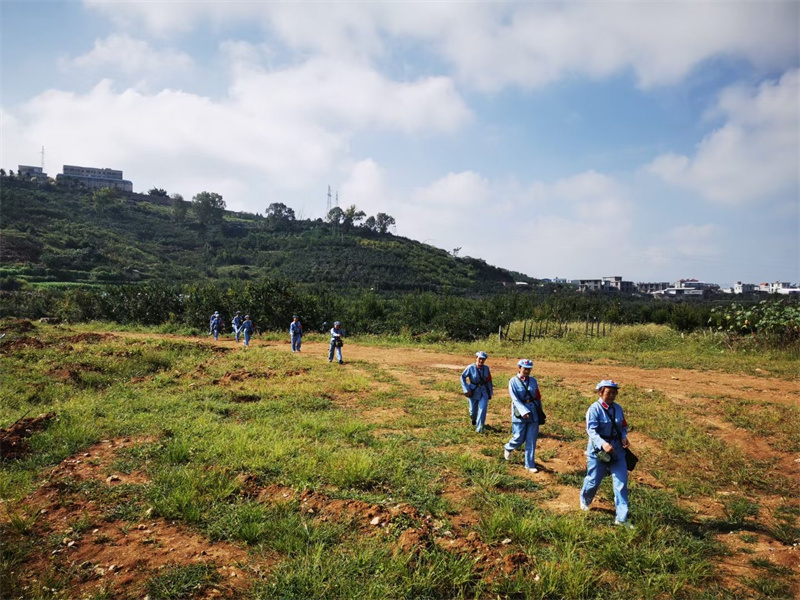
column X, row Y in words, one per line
column 237, row 324
column 214, row 325
column 525, row 395
column 337, row 333
column 479, row 390
column 247, row 330
column 608, row 437
column 296, row 333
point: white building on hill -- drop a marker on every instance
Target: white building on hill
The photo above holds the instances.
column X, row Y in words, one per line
column 95, row 178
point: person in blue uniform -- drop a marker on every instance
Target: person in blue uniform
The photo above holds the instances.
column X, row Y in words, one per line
column 237, row 324
column 608, row 437
column 337, row 333
column 296, row 333
column 215, row 324
column 247, row 330
column 476, row 381
column 525, row 394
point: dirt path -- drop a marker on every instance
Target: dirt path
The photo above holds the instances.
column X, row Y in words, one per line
column 678, row 384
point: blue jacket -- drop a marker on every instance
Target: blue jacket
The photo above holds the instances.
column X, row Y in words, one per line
column 237, row 322
column 600, row 430
column 524, row 394
column 480, row 380
column 215, row 322
column 336, row 333
column 296, row 328
column 247, row 327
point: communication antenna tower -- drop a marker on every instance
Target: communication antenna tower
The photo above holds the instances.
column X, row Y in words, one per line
column 42, row 158
column 329, row 200
column 337, row 198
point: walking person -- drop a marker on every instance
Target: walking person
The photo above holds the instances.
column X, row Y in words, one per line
column 608, row 438
column 215, row 324
column 337, row 333
column 478, row 390
column 296, row 333
column 247, row 330
column 526, row 408
column 237, row 325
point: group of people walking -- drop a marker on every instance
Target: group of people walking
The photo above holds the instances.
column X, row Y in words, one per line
column 241, row 325
column 244, row 326
column 608, row 448
column 607, row 451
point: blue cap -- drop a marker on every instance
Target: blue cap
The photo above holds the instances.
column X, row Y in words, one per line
column 607, row 383
column 216, row 312
column 295, row 317
column 238, row 312
column 525, row 363
column 336, row 323
column 482, row 354
column 247, row 316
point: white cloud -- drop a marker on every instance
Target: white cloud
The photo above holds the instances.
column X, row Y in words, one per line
column 366, row 187
column 541, row 228
column 493, row 45
column 131, row 56
column 753, row 156
column 340, row 94
column 690, row 244
column 455, row 190
column 279, row 129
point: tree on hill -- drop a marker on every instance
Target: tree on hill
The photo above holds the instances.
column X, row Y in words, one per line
column 179, row 208
column 352, row 216
column 335, row 216
column 279, row 215
column 209, row 207
column 383, row 222
column 160, row 192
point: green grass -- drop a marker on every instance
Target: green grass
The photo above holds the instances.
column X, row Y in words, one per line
column 182, row 581
column 198, row 437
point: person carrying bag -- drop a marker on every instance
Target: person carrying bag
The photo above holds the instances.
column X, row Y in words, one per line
column 608, row 443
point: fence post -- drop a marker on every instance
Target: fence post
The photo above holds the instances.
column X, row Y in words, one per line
column 500, row 333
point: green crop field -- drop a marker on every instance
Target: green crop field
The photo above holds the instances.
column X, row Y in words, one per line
column 168, row 466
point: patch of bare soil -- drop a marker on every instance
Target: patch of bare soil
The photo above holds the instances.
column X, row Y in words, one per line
column 14, row 439
column 241, row 375
column 98, row 554
column 88, row 338
column 17, row 326
column 22, row 343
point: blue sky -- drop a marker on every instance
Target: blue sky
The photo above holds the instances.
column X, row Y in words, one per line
column 652, row 140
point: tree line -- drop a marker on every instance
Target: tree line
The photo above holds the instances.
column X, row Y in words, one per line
column 272, row 302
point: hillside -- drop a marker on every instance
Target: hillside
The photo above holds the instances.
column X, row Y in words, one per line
column 55, row 234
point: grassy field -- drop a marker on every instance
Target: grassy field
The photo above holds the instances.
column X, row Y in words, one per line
column 178, row 468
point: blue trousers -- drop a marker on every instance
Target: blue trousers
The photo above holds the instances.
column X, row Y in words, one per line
column 477, row 411
column 215, row 333
column 246, row 338
column 524, row 433
column 595, row 473
column 296, row 341
column 236, row 333
column 338, row 352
